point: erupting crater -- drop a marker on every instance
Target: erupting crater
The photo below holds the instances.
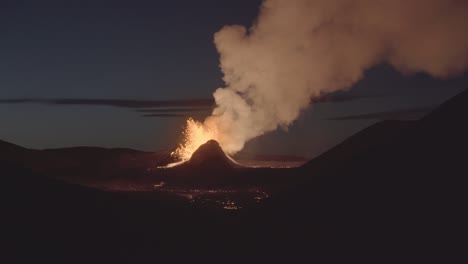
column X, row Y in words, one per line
column 207, row 156
column 195, row 134
column 210, row 155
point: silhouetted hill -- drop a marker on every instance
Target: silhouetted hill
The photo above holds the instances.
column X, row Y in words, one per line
column 93, row 153
column 34, row 160
column 373, row 137
column 451, row 112
column 394, row 189
column 4, row 146
column 91, row 166
column 11, row 151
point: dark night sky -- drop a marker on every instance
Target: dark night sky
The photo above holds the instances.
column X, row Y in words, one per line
column 159, row 51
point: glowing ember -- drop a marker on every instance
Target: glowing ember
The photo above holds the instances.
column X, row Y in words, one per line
column 195, row 135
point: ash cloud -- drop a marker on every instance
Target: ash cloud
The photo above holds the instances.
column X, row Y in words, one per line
column 304, row 49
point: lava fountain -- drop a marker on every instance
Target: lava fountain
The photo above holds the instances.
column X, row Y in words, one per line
column 195, row 134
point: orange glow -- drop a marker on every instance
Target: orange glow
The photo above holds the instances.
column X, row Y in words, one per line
column 195, row 135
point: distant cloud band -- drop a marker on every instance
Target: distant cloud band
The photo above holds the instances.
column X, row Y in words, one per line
column 162, row 108
column 166, row 115
column 175, row 110
column 399, row 114
column 114, row 102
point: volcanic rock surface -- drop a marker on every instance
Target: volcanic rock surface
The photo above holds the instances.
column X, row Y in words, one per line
column 211, row 156
column 209, row 167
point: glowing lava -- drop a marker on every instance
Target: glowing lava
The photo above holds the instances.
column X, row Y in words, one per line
column 195, row 135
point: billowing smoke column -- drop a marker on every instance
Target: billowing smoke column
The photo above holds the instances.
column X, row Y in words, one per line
column 301, row 49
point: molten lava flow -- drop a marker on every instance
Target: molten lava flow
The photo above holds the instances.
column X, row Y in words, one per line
column 195, row 135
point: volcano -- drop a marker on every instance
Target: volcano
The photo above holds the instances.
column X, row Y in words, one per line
column 212, row 167
column 211, row 156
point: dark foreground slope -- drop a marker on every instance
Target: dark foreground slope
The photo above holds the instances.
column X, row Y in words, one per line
column 44, row 220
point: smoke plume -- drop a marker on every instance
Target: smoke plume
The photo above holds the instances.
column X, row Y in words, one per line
column 298, row 50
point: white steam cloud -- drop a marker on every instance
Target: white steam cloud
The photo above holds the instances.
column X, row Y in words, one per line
column 301, row 49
